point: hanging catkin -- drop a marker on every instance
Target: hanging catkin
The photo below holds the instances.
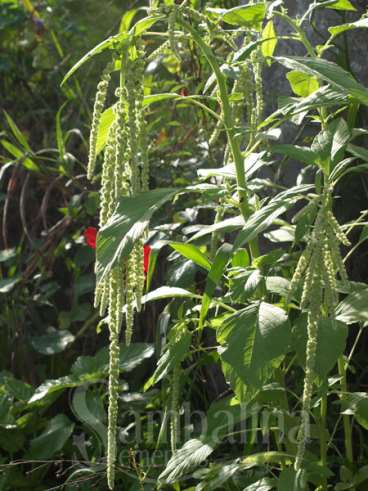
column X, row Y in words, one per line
column 100, row 100
column 125, row 172
column 316, row 273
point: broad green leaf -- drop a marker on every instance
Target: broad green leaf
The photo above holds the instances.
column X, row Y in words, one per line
column 14, row 387
column 222, row 417
column 191, row 455
column 218, row 475
column 354, row 307
column 301, row 83
column 52, row 440
column 92, row 369
column 341, row 5
column 240, row 259
column 263, row 218
column 110, row 42
column 193, row 253
column 253, row 338
column 17, row 133
column 168, row 292
column 340, row 139
column 269, row 38
column 331, row 343
column 264, row 484
column 329, row 72
column 130, row 357
column 53, row 342
column 294, row 106
column 336, row 30
column 290, row 480
column 88, row 407
column 250, row 16
column 295, row 152
column 128, row 223
column 321, row 146
column 213, row 278
column 278, row 285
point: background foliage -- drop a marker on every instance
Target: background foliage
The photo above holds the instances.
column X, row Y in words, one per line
column 54, row 346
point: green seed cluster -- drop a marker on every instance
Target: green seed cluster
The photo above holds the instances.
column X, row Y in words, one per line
column 316, row 273
column 100, row 100
column 125, row 172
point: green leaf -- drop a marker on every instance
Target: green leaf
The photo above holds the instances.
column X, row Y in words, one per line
column 17, row 133
column 8, row 284
column 295, row 152
column 168, row 292
column 127, row 19
column 356, row 403
column 144, row 24
column 331, row 343
column 341, row 5
column 92, row 369
column 59, row 132
column 336, row 30
column 263, row 218
column 354, row 307
column 340, row 139
column 253, row 338
column 250, row 16
column 329, row 72
column 290, row 480
column 107, row 118
column 192, row 454
column 52, row 440
column 128, row 223
column 227, row 225
column 360, row 152
column 53, row 342
column 213, row 279
column 7, row 254
column 222, row 417
column 301, row 83
column 193, row 253
column 106, row 44
column 175, row 351
column 264, row 484
column 269, row 37
column 88, row 407
column 20, row 155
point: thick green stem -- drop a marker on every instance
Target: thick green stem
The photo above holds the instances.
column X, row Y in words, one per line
column 228, row 122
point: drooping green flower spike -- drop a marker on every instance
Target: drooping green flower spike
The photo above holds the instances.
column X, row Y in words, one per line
column 320, row 264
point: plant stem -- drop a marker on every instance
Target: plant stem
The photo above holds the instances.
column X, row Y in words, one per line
column 342, row 366
column 323, row 440
column 242, row 189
